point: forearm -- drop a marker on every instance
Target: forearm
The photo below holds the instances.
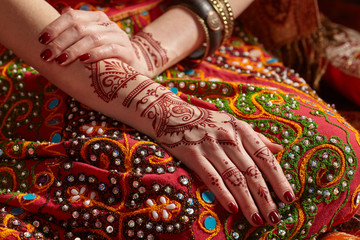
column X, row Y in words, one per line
column 23, row 20
column 179, row 33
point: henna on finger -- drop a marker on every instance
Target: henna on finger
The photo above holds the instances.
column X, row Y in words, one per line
column 252, row 171
column 234, row 177
column 265, row 155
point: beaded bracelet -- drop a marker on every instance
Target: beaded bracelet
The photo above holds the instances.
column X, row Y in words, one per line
column 211, row 23
column 228, row 20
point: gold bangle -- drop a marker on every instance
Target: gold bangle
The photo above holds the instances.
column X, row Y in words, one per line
column 223, row 8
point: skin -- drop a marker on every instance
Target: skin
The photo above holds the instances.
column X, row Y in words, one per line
column 225, row 152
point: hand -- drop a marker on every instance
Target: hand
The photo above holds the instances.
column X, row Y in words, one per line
column 89, row 37
column 226, row 153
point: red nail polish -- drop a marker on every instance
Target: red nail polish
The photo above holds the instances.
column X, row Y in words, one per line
column 62, row 58
column 46, row 54
column 44, row 38
column 257, row 219
column 84, row 57
column 289, row 196
column 274, row 217
column 233, row 208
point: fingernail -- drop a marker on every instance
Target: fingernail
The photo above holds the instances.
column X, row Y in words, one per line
column 257, row 219
column 44, row 38
column 233, row 208
column 289, row 196
column 274, row 217
column 46, row 54
column 62, row 58
column 84, row 57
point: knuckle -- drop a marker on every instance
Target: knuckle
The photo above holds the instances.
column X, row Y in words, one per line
column 96, row 38
column 79, row 28
column 72, row 15
column 102, row 15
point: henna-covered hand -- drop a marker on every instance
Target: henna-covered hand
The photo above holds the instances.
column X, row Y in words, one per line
column 91, row 36
column 230, row 151
column 225, row 152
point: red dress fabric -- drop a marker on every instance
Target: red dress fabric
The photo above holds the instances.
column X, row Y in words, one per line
column 68, row 172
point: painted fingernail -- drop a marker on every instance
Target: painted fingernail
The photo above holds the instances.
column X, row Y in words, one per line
column 274, row 217
column 233, row 208
column 257, row 219
column 84, row 57
column 62, row 58
column 289, row 196
column 44, row 38
column 46, row 54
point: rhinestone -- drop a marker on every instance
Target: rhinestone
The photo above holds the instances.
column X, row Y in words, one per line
column 180, row 196
column 102, row 187
column 310, row 180
column 65, row 208
column 96, row 146
column 117, row 161
column 86, row 216
column 314, row 163
column 318, row 138
column 190, row 211
column 131, row 233
column 156, row 187
column 336, row 191
column 170, row 228
column 82, row 177
column 159, row 228
column 115, row 153
column 350, row 160
column 75, row 214
column 282, row 232
column 67, row 166
column 109, row 229
column 327, row 194
column 167, row 190
column 139, row 221
column 91, row 179
column 351, row 172
column 142, row 190
column 140, row 234
column 131, row 223
column 36, row 223
column 184, row 180
column 329, row 177
column 171, row 169
column 149, row 225
column 150, row 237
column 348, row 149
column 98, row 224
column 336, row 164
column 185, row 219
column 286, row 165
column 137, row 160
column 136, row 184
column 235, row 235
column 312, row 208
column 95, row 212
column 93, row 158
column 116, row 190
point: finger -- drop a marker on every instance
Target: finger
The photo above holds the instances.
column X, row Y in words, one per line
column 66, row 9
column 121, row 52
column 255, row 182
column 268, row 164
column 66, row 20
column 213, row 181
column 80, row 38
column 238, row 185
column 274, row 147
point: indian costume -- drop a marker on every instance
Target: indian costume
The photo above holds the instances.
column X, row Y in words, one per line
column 68, row 172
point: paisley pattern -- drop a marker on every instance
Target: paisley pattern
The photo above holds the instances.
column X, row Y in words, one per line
column 68, row 172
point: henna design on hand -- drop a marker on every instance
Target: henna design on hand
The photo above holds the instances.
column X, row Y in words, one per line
column 155, row 56
column 263, row 193
column 253, row 172
column 116, row 76
column 169, row 106
column 264, row 154
column 104, row 24
column 234, row 176
column 141, row 87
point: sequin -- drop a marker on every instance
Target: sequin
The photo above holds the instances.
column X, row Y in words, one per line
column 29, row 196
column 210, row 223
column 208, row 196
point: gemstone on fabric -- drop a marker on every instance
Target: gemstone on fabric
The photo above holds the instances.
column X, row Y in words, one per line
column 208, row 196
column 53, row 104
column 56, row 138
column 29, row 196
column 17, row 211
column 210, row 223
